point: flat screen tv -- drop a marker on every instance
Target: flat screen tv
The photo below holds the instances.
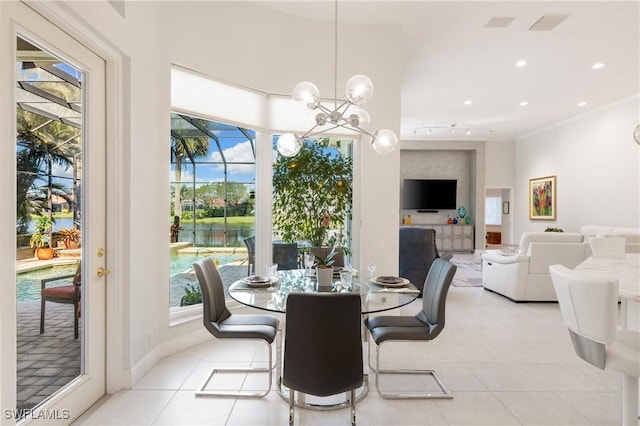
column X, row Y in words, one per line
column 429, row 194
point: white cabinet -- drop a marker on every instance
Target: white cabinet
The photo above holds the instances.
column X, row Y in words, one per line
column 451, row 237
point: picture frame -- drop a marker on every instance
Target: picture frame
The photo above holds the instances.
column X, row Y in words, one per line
column 505, row 207
column 542, row 198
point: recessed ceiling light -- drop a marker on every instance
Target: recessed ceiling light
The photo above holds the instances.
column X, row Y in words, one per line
column 581, row 104
column 521, row 63
column 468, row 132
column 467, row 102
column 597, row 65
column 524, row 103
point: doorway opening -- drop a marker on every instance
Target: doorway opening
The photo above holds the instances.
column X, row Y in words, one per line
column 498, row 223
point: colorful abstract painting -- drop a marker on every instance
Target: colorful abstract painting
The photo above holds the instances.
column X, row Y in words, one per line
column 542, row 198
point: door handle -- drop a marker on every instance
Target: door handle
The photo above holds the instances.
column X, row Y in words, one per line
column 102, row 272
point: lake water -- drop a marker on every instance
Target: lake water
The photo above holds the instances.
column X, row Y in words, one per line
column 207, row 236
column 60, row 223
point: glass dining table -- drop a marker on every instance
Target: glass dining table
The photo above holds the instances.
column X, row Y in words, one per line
column 271, row 295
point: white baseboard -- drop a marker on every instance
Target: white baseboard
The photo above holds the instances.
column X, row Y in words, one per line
column 180, row 343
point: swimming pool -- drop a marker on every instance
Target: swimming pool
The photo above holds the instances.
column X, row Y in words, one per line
column 182, row 271
column 184, row 262
column 28, row 283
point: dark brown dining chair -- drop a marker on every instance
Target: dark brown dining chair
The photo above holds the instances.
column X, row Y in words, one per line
column 223, row 325
column 323, row 346
column 68, row 294
column 426, row 325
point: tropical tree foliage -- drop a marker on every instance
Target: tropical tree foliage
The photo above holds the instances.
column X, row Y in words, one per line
column 184, row 145
column 312, row 193
column 42, row 143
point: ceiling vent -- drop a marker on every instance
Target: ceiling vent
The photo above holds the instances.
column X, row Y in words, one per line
column 548, row 22
column 499, row 22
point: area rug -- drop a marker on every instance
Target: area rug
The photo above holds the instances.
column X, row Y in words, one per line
column 469, row 272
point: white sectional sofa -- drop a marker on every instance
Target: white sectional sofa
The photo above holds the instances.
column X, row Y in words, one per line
column 631, row 235
column 524, row 276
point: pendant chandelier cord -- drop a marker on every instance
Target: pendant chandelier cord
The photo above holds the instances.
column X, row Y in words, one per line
column 359, row 88
column 335, row 56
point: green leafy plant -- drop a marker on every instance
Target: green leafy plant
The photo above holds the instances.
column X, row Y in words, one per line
column 550, row 229
column 312, row 193
column 326, row 262
column 192, row 296
column 42, row 235
column 70, row 236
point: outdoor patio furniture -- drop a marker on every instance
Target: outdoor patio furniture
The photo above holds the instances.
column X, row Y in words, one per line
column 69, row 294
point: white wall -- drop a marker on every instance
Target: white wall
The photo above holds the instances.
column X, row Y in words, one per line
column 500, row 162
column 243, row 44
column 597, row 164
column 237, row 42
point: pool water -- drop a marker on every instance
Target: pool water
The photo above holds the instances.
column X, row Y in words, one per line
column 182, row 272
column 28, row 283
column 181, row 263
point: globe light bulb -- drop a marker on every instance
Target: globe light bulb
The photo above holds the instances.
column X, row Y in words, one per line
column 289, row 145
column 384, row 141
column 306, row 95
column 363, row 116
column 359, row 89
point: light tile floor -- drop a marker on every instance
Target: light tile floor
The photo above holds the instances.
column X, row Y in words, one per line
column 506, row 363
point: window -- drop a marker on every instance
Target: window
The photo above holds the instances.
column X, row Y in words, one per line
column 212, row 200
column 493, row 211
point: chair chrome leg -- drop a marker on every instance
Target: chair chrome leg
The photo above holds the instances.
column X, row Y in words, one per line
column 353, row 407
column 446, row 394
column 291, row 406
column 247, row 394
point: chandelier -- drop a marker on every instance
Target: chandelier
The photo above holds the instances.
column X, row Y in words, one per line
column 347, row 113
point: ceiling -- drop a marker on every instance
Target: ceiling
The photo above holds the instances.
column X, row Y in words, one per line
column 451, row 56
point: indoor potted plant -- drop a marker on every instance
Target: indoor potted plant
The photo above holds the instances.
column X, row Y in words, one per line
column 41, row 237
column 324, row 268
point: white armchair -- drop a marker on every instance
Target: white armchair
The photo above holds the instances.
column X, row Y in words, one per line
column 631, row 236
column 524, row 276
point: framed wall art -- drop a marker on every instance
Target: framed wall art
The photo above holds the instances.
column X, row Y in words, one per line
column 505, row 207
column 542, row 198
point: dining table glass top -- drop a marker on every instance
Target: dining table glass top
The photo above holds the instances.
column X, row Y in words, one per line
column 272, row 295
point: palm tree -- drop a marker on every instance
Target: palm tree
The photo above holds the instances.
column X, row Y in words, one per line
column 42, row 143
column 185, row 144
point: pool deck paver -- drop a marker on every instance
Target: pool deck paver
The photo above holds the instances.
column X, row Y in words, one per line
column 47, row 362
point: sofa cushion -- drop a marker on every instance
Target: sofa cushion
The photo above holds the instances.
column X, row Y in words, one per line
column 589, row 231
column 544, row 255
column 631, row 236
column 546, row 237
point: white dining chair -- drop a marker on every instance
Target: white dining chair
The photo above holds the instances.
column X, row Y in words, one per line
column 589, row 308
column 607, row 245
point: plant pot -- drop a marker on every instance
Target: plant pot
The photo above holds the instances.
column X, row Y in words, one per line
column 44, row 253
column 70, row 244
column 324, row 277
